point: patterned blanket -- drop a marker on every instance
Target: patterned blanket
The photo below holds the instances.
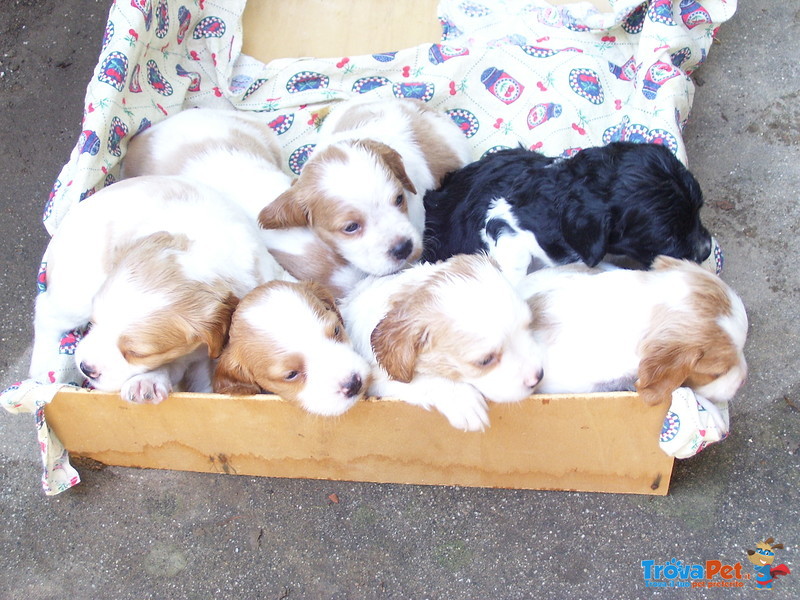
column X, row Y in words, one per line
column 508, row 72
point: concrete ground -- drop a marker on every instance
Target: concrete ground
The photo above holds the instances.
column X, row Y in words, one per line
column 127, row 534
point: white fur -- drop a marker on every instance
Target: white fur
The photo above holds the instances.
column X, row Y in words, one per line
column 362, row 184
column 87, row 277
column 513, row 252
column 329, row 363
column 237, row 154
column 595, row 320
column 187, row 143
column 481, row 307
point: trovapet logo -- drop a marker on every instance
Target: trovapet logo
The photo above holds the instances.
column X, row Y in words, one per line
column 677, row 574
column 716, row 573
column 766, row 572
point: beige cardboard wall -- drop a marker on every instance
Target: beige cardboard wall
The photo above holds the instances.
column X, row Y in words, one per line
column 325, row 28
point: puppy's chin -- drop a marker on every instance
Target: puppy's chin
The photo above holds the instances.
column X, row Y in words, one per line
column 376, row 263
column 328, row 407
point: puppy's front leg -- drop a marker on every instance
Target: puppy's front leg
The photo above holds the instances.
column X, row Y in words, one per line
column 462, row 404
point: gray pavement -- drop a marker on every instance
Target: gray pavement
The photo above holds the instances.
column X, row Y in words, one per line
column 128, row 534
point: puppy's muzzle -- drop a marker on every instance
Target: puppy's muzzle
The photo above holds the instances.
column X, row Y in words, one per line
column 402, row 250
column 533, row 380
column 352, row 387
column 89, row 371
column 702, row 247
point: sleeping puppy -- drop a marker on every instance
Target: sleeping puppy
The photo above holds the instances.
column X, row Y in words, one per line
column 649, row 331
column 237, row 154
column 361, row 190
column 449, row 335
column 289, row 339
column 156, row 266
column 528, row 210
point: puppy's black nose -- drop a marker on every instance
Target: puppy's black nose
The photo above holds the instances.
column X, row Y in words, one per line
column 353, row 386
column 89, row 371
column 402, row 250
column 703, row 246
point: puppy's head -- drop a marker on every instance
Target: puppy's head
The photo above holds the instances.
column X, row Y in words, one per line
column 355, row 196
column 658, row 204
column 289, row 339
column 465, row 323
column 700, row 347
column 148, row 313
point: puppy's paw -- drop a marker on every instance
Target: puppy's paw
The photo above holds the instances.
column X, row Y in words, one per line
column 466, row 408
column 147, row 388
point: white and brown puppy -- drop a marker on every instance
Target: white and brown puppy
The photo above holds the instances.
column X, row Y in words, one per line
column 448, row 335
column 362, row 188
column 649, row 331
column 289, row 339
column 237, row 154
column 156, row 266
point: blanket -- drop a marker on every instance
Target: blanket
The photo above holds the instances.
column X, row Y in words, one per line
column 552, row 78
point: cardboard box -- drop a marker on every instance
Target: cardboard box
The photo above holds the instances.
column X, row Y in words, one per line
column 593, row 442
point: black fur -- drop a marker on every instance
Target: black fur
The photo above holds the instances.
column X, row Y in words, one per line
column 629, row 199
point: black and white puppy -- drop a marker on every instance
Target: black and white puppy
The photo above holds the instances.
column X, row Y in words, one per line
column 523, row 208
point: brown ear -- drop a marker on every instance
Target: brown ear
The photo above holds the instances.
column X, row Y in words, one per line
column 215, row 331
column 287, row 210
column 392, row 159
column 663, row 369
column 397, row 341
column 325, row 296
column 230, row 377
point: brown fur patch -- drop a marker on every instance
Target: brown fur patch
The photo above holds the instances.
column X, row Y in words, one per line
column 197, row 312
column 687, row 346
column 252, row 362
column 318, row 263
column 416, row 336
column 438, row 154
column 304, row 204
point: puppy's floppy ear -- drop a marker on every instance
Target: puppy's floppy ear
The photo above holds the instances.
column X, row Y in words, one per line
column 392, row 159
column 587, row 232
column 231, row 377
column 325, row 296
column 287, row 210
column 664, row 367
column 214, row 331
column 397, row 341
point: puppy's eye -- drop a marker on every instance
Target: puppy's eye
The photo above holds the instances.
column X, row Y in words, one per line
column 399, row 200
column 291, row 375
column 487, row 360
column 351, row 228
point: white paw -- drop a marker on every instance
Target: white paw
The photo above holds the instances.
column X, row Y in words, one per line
column 147, row 388
column 465, row 408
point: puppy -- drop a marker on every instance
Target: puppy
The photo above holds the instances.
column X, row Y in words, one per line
column 449, row 335
column 649, row 331
column 156, row 265
column 361, row 190
column 528, row 210
column 238, row 155
column 288, row 338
